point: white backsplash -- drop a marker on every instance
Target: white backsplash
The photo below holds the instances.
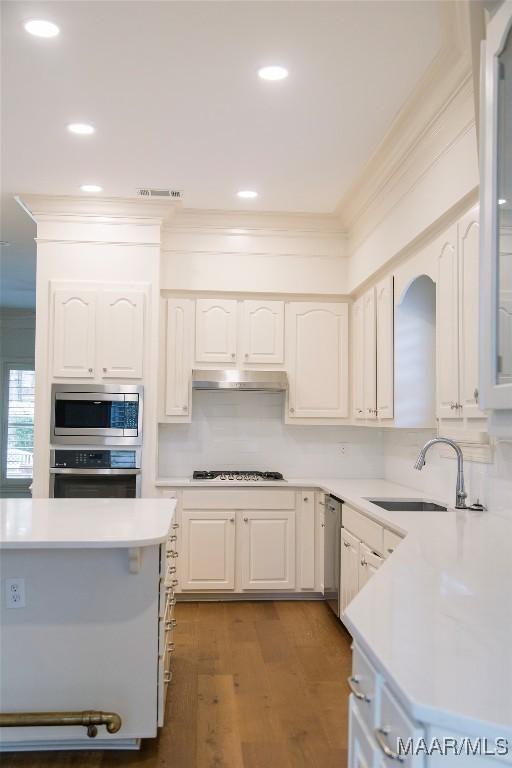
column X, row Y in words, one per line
column 247, row 431
column 491, row 483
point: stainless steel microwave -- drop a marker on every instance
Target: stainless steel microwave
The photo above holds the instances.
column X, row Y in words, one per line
column 96, row 414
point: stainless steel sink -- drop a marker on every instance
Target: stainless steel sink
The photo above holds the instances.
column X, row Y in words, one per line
column 408, row 505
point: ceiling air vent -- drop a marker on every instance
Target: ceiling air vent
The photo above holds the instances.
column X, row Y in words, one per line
column 174, row 194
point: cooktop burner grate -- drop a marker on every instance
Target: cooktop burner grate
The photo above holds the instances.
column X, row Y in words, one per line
column 236, row 475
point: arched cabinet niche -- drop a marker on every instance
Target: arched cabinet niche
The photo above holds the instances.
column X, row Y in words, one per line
column 415, row 354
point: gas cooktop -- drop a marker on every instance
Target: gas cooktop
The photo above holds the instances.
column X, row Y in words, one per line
column 237, row 476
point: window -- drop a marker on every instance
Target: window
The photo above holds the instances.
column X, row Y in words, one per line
column 19, row 423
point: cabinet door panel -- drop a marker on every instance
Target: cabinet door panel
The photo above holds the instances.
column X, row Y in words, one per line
column 267, row 550
column 178, row 356
column 216, row 330
column 317, row 351
column 208, row 550
column 385, row 348
column 74, row 330
column 370, row 354
column 263, row 332
column 447, row 330
column 358, row 358
column 469, row 314
column 349, row 569
column 122, row 334
column 361, row 750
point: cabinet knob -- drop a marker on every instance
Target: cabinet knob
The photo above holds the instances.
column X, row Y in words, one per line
column 246, row 519
column 391, row 550
column 475, row 395
column 173, row 538
column 231, row 519
column 90, row 370
column 184, row 408
column 292, row 410
column 246, row 355
column 346, row 544
column 175, row 525
column 323, row 525
column 306, row 498
column 104, row 370
column 233, row 355
column 363, row 562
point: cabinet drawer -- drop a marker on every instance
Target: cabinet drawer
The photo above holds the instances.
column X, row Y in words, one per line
column 364, row 683
column 368, row 531
column 393, row 724
column 238, row 498
column 391, row 542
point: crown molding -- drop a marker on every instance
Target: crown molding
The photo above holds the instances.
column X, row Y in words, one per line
column 256, row 224
column 437, row 112
column 116, row 210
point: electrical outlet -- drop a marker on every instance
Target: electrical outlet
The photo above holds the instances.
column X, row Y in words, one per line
column 15, row 593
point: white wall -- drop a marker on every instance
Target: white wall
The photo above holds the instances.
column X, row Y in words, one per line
column 246, row 431
column 491, row 483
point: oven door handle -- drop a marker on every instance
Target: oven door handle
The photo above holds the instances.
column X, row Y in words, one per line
column 70, row 471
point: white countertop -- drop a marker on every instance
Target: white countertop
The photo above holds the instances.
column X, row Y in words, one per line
column 84, row 523
column 437, row 616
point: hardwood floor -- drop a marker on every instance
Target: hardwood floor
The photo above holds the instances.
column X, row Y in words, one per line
column 256, row 685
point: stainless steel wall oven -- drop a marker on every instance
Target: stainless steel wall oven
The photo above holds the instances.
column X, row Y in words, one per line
column 95, row 473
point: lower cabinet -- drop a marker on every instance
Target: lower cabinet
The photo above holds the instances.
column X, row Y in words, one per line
column 238, row 540
column 378, row 724
column 267, row 549
column 363, row 541
column 207, row 549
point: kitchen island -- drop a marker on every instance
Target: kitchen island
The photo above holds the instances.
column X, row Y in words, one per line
column 86, row 617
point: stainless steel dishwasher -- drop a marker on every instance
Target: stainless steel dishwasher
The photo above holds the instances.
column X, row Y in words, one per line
column 332, row 543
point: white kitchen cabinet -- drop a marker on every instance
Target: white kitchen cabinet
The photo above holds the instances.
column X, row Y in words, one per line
column 349, row 568
column 361, row 749
column 267, row 549
column 121, row 335
column 74, row 332
column 306, row 540
column 373, row 357
column 207, row 556
column 358, row 358
column 447, row 327
column 370, row 355
column 179, row 340
column 469, row 299
column 262, row 332
column 384, row 300
column 216, row 324
column 369, row 563
column 317, row 360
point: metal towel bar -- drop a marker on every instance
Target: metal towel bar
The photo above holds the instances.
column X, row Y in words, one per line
column 90, row 719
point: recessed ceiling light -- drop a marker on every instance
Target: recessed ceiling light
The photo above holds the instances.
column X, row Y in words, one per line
column 273, row 72
column 501, row 201
column 83, row 129
column 247, row 194
column 91, row 188
column 41, row 28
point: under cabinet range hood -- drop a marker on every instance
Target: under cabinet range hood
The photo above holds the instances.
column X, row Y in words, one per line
column 245, row 381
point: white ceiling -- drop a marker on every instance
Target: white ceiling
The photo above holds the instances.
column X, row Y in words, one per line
column 173, row 92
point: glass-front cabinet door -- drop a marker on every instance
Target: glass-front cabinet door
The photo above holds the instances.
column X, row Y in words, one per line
column 496, row 211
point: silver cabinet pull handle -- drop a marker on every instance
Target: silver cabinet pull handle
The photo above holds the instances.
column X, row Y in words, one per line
column 380, row 734
column 352, row 683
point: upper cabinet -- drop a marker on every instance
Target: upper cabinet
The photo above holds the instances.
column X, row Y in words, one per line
column 317, row 359
column 122, row 334
column 496, row 215
column 458, row 394
column 447, row 326
column 74, row 333
column 262, row 332
column 179, row 341
column 97, row 334
column 372, row 334
column 216, row 325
